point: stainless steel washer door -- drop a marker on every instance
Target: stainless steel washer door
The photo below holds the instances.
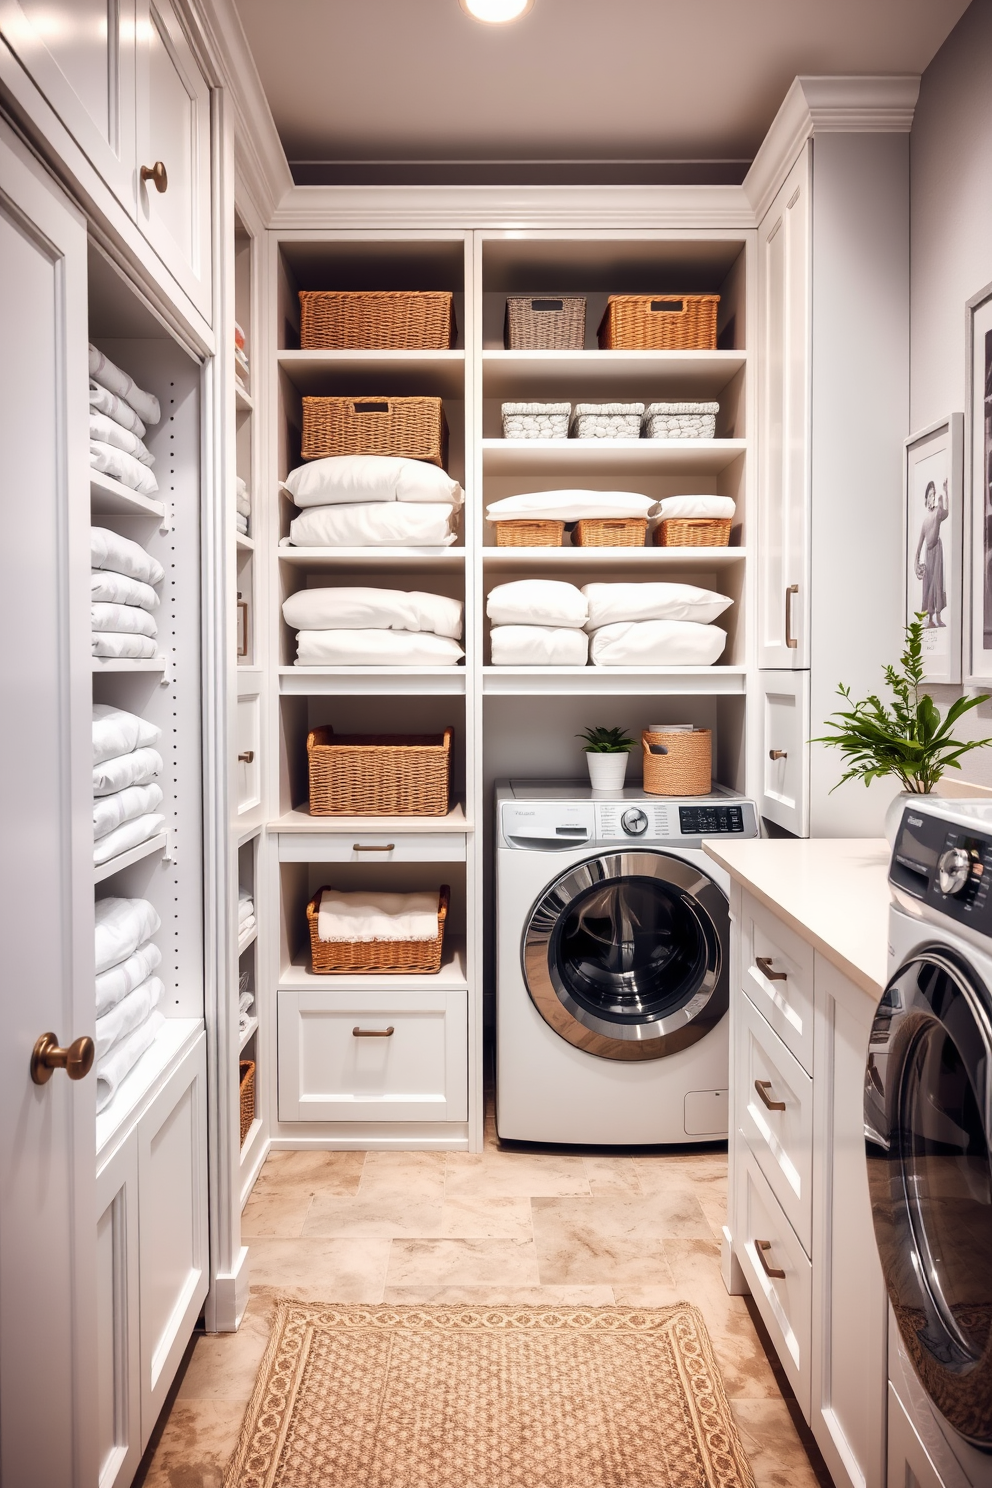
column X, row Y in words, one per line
column 623, row 955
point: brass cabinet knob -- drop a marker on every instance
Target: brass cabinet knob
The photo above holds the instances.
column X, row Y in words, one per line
column 157, row 174
column 46, row 1056
column 246, row 757
column 774, row 754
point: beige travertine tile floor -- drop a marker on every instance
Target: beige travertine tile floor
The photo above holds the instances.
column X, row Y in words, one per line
column 505, row 1226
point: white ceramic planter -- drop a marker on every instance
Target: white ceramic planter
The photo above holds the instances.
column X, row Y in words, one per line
column 607, row 771
column 893, row 813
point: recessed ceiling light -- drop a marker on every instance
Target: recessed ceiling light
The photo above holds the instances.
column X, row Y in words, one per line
column 496, row 12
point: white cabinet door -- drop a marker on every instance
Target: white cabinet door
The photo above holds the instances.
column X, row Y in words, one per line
column 117, row 1337
column 784, row 702
column 784, row 298
column 47, row 1145
column 173, row 131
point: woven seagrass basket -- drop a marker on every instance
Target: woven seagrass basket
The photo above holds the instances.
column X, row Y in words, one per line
column 659, row 323
column 545, row 323
column 539, row 533
column 378, row 957
column 246, row 1087
column 415, row 428
column 693, row 532
column 685, row 767
column 611, row 532
column 377, row 320
column 379, row 774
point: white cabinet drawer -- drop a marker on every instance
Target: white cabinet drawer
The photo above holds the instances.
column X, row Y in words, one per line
column 774, row 1097
column 372, row 847
column 785, row 728
column 777, row 975
column 373, row 1056
column 765, row 1244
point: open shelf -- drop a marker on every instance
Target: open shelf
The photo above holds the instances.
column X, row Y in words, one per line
column 245, row 544
column 110, row 498
column 369, row 557
column 510, row 558
column 441, row 373
column 579, row 375
column 396, row 681
column 300, row 820
column 130, row 663
column 133, row 855
column 246, row 1038
column 575, row 457
column 243, row 401
column 244, row 941
column 617, row 681
column 452, row 977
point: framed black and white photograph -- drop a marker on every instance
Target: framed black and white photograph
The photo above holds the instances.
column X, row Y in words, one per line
column 979, row 437
column 933, row 527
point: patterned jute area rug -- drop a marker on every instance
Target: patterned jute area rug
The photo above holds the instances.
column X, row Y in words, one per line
column 488, row 1397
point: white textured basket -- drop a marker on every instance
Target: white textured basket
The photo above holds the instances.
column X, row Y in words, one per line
column 536, row 420
column 680, row 420
column 607, row 420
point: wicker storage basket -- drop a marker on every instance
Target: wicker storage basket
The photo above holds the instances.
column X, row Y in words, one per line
column 379, row 774
column 377, row 957
column 680, row 420
column 381, row 320
column 659, row 323
column 246, row 1087
column 536, row 420
column 611, row 532
column 693, row 532
column 413, row 427
column 607, row 420
column 536, row 323
column 540, row 533
column 685, row 767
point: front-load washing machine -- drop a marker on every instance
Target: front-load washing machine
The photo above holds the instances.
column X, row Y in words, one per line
column 928, row 1133
column 612, row 976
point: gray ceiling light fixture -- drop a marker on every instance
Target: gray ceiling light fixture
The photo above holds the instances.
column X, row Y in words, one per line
column 496, row 12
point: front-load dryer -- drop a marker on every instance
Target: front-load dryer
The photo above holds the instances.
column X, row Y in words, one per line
column 612, row 976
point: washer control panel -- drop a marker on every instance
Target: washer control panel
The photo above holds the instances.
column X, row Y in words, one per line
column 562, row 824
column 700, row 821
column 947, row 866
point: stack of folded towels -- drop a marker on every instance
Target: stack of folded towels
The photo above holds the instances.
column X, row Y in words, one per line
column 119, row 411
column 127, row 992
column 367, row 916
column 374, row 627
column 546, row 622
column 569, row 506
column 242, row 371
column 246, row 913
column 246, row 1001
column 243, row 505
column 370, row 501
column 126, row 797
column 122, row 596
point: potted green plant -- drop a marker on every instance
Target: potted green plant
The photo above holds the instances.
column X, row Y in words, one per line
column 908, row 740
column 606, row 756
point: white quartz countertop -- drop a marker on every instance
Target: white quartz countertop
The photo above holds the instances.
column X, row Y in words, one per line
column 833, row 891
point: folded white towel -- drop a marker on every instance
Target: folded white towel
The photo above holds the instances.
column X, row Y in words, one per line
column 611, row 603
column 114, row 1067
column 538, row 645
column 368, row 916
column 696, row 506
column 122, row 467
column 115, row 588
column 537, row 602
column 109, row 550
column 122, row 619
column 374, row 609
column 657, row 643
column 361, row 478
column 243, row 504
column 241, row 524
column 127, row 1015
column 570, row 506
column 122, row 925
column 110, row 376
column 386, row 525
column 375, row 648
column 117, row 981
column 116, row 732
column 129, row 834
column 110, row 812
column 123, row 646
column 108, row 431
column 137, row 767
column 246, row 904
column 104, row 401
column 246, row 926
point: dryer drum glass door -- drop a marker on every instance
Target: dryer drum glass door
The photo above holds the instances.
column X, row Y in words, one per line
column 624, row 956
column 927, row 1119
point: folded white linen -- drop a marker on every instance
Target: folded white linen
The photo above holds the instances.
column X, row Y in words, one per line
column 538, row 645
column 246, row 905
column 137, row 767
column 245, row 926
column 115, row 1066
column 123, row 467
column 117, row 981
column 388, row 524
column 570, row 506
column 109, row 550
column 108, row 431
column 657, row 643
column 126, row 646
column 364, row 478
column 374, row 609
column 245, row 1001
column 611, row 603
column 122, row 619
column 124, row 805
column 116, row 732
column 537, row 602
column 696, row 506
column 104, row 401
column 129, row 834
column 365, row 916
column 115, row 588
column 127, row 1015
column 375, row 648
column 110, row 376
column 243, row 504
column 241, row 524
column 122, row 925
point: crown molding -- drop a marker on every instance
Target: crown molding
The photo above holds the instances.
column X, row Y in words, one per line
column 827, row 105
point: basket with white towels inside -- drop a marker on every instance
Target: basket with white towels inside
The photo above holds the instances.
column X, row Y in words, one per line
column 123, row 600
column 699, row 520
column 374, row 627
column 128, row 992
column 119, row 413
column 369, row 501
column 369, row 932
column 126, row 793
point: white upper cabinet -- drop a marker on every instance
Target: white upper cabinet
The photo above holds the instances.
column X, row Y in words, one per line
column 783, row 414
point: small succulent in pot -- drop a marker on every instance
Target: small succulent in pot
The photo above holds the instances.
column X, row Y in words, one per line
column 606, row 755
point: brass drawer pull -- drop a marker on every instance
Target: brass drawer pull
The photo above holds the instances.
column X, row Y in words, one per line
column 762, row 1087
column 775, row 1272
column 790, row 639
column 764, row 965
column 373, row 1032
column 774, row 754
column 157, row 174
column 247, row 757
column 373, row 847
column 76, row 1060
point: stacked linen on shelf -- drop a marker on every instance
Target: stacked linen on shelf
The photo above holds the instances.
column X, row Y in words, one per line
column 371, row 501
column 538, row 622
column 125, row 794
column 119, row 411
column 654, row 624
column 242, row 371
column 243, row 501
column 374, row 627
column 246, row 913
column 122, row 599
column 127, row 991
column 569, row 506
column 246, row 1001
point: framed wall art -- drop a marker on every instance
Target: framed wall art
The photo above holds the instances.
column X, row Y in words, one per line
column 933, row 527
column 979, row 441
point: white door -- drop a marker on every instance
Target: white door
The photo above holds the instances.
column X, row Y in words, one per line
column 784, row 290
column 784, row 702
column 47, row 1131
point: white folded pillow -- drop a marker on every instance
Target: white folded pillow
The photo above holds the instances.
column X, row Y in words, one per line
column 124, row 619
column 109, row 812
column 122, row 925
column 129, row 834
column 611, row 603
column 109, row 431
column 137, row 767
column 123, row 646
column 383, row 525
column 538, row 645
column 657, row 643
column 537, row 602
column 350, row 478
column 375, row 648
column 122, row 467
column 696, row 506
column 570, row 506
column 116, row 732
column 109, row 550
column 115, row 408
column 110, row 376
column 374, row 609
column 115, row 588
